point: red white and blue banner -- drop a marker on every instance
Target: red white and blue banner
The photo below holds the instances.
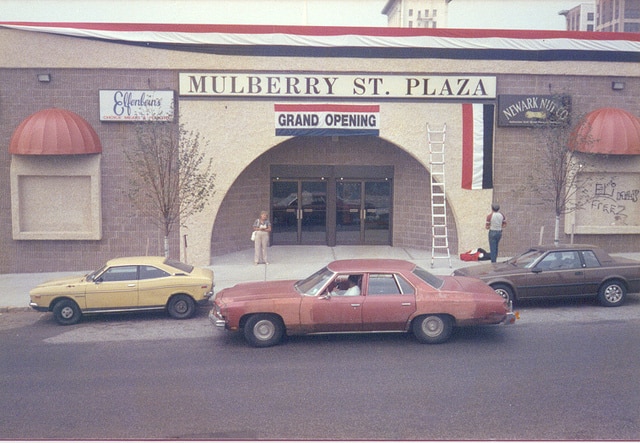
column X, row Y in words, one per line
column 325, row 119
column 477, row 146
column 358, row 42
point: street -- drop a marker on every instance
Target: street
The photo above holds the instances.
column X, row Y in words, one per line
column 567, row 370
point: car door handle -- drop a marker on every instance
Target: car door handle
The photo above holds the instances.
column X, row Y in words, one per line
column 355, row 305
column 406, row 304
column 131, row 285
column 579, row 273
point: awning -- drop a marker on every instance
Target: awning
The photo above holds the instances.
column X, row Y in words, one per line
column 54, row 132
column 609, row 131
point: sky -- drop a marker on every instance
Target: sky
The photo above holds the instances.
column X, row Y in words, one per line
column 486, row 14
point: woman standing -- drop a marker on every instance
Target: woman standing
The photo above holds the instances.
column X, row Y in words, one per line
column 261, row 227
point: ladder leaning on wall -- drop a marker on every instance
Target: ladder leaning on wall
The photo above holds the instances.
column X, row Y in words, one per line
column 439, row 232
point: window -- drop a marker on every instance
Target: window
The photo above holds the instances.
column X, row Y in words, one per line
column 560, row 260
column 147, row 272
column 120, row 273
column 382, row 284
column 428, row 278
column 590, row 259
column 410, row 12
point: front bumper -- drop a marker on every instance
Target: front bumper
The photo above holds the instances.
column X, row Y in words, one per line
column 216, row 321
column 38, row 308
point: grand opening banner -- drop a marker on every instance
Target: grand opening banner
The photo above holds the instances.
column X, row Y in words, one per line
column 326, row 119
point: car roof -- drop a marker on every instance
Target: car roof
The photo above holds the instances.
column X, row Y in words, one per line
column 563, row 247
column 371, row 265
column 141, row 260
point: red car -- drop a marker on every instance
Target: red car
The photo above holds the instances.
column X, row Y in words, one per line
column 366, row 295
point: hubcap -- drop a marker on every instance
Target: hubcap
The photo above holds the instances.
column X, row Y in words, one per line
column 432, row 326
column 613, row 293
column 66, row 312
column 502, row 293
column 181, row 306
column 264, row 330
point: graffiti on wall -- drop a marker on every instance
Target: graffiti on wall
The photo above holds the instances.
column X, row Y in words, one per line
column 614, row 201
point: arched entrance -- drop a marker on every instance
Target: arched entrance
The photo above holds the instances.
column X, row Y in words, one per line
column 330, row 191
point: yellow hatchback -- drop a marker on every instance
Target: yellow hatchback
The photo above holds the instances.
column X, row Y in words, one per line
column 127, row 284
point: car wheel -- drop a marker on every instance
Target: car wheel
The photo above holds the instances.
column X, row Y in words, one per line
column 433, row 329
column 67, row 312
column 612, row 293
column 181, row 306
column 504, row 291
column 262, row 330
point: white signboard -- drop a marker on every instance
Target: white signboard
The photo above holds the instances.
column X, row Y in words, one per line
column 136, row 105
column 328, row 85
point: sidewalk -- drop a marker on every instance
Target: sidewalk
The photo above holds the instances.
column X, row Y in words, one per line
column 285, row 262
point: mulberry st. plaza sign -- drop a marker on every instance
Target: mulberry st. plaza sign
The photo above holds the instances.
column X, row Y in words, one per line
column 284, row 85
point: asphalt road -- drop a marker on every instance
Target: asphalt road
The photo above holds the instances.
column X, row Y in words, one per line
column 566, row 370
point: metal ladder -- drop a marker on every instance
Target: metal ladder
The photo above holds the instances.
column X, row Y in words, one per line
column 439, row 232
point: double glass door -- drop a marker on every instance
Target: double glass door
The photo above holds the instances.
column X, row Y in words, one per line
column 299, row 212
column 330, row 212
column 363, row 211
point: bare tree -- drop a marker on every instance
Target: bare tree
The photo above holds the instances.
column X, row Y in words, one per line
column 556, row 178
column 170, row 178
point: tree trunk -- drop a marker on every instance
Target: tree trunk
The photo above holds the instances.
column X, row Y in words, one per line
column 166, row 246
column 556, row 234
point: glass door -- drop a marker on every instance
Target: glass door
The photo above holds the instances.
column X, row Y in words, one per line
column 377, row 209
column 363, row 212
column 299, row 212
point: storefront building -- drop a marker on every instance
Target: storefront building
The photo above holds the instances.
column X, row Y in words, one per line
column 328, row 129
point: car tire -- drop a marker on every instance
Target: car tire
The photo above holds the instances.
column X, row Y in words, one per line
column 262, row 330
column 181, row 306
column 612, row 293
column 67, row 312
column 433, row 329
column 504, row 291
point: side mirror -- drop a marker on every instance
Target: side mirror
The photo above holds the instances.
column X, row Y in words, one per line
column 324, row 297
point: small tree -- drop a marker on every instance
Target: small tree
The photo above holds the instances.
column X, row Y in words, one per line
column 170, row 179
column 557, row 180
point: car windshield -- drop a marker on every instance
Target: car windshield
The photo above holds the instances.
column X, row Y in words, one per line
column 313, row 284
column 428, row 277
column 179, row 265
column 527, row 259
column 92, row 276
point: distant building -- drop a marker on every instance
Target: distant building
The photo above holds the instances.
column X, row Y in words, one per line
column 581, row 17
column 416, row 13
column 618, row 15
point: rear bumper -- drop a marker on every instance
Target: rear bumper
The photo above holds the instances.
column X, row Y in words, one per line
column 510, row 318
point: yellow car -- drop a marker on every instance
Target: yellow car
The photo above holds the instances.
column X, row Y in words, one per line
column 127, row 284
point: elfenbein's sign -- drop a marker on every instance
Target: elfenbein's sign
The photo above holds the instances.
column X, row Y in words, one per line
column 533, row 110
column 287, row 85
column 135, row 105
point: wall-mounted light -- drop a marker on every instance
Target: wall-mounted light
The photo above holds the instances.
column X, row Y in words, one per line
column 44, row 78
column 617, row 86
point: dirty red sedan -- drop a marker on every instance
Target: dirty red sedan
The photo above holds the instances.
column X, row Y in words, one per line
column 364, row 295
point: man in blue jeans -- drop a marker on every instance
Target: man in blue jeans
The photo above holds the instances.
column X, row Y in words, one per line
column 495, row 222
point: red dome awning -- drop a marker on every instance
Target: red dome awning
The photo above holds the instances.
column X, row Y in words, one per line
column 609, row 131
column 54, row 132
